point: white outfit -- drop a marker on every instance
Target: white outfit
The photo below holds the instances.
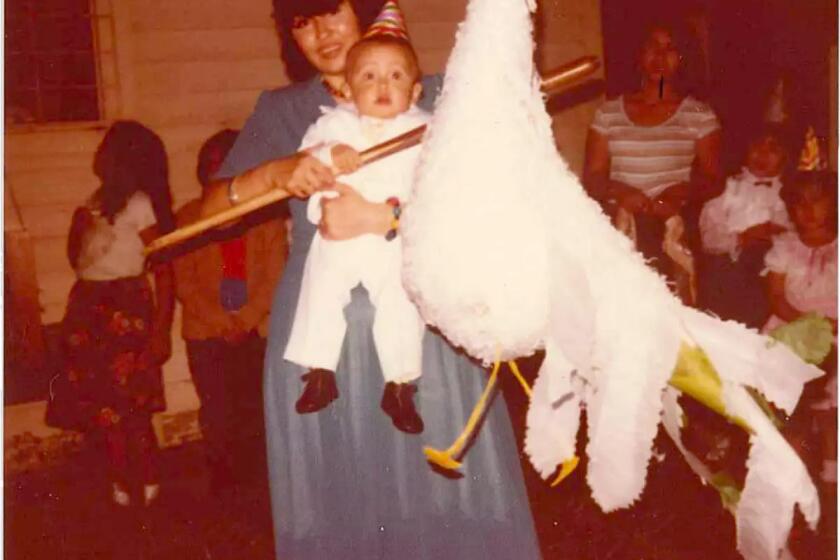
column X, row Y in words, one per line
column 747, row 201
column 652, row 158
column 333, row 268
column 810, row 275
column 115, row 250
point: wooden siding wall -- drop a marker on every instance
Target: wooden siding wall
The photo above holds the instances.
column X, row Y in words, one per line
column 189, row 68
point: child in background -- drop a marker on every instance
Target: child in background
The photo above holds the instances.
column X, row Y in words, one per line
column 116, row 330
column 225, row 288
column 382, row 79
column 802, row 278
column 736, row 230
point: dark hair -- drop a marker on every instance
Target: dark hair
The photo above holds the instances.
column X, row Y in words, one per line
column 285, row 11
column 220, row 142
column 404, row 45
column 132, row 158
column 823, row 183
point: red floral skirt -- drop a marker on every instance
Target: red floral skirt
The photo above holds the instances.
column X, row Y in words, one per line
column 106, row 332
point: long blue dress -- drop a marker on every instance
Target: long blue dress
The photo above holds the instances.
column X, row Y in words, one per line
column 344, row 482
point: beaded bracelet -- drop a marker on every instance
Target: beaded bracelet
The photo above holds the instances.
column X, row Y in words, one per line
column 396, row 210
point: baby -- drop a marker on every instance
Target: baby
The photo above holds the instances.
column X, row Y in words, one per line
column 382, row 80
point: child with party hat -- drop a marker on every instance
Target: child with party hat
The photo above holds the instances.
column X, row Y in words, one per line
column 381, row 90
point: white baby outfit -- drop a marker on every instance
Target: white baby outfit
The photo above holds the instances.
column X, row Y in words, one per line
column 334, row 268
column 747, row 201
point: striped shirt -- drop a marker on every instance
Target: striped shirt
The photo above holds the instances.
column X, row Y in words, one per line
column 652, row 158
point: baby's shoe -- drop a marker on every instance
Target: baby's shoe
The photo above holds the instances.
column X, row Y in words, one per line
column 320, row 391
column 150, row 493
column 120, row 495
column 398, row 403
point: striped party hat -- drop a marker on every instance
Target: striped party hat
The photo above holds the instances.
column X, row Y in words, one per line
column 390, row 23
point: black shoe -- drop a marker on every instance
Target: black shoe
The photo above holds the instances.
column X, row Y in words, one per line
column 320, row 391
column 398, row 403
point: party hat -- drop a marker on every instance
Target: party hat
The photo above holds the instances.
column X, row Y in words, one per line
column 811, row 157
column 389, row 23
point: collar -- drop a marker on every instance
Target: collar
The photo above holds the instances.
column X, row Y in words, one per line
column 775, row 182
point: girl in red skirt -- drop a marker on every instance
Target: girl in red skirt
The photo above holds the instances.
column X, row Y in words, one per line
column 116, row 331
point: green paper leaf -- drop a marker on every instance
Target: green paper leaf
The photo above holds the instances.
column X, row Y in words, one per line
column 810, row 337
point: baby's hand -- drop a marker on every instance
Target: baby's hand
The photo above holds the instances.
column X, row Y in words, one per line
column 760, row 232
column 345, row 159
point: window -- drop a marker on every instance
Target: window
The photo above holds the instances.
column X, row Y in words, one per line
column 50, row 62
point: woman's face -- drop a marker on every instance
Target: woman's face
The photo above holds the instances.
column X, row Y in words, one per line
column 659, row 57
column 325, row 39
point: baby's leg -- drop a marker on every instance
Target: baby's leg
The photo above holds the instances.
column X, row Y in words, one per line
column 397, row 332
column 319, row 326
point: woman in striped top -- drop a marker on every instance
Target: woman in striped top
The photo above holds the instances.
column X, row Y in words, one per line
column 652, row 151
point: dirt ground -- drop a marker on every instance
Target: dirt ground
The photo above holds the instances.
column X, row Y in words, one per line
column 65, row 512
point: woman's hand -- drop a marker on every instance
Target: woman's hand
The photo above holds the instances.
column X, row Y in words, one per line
column 349, row 215
column 671, row 201
column 308, row 176
column 634, row 201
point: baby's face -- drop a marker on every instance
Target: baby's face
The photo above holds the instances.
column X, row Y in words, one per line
column 766, row 157
column 382, row 81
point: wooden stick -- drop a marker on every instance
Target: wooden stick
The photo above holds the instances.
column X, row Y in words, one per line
column 553, row 81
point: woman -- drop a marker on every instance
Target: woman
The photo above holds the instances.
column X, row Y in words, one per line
column 344, row 482
column 651, row 152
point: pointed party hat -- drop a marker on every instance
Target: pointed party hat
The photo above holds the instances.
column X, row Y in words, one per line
column 389, row 23
column 810, row 159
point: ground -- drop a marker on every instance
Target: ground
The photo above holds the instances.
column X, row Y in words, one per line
column 65, row 512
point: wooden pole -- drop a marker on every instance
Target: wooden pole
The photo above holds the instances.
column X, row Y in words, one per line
column 551, row 83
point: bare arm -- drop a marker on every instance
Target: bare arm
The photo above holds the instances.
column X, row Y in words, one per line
column 707, row 180
column 298, row 175
column 82, row 221
column 596, row 175
column 161, row 341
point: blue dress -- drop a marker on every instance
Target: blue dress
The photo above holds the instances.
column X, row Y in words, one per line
column 344, row 482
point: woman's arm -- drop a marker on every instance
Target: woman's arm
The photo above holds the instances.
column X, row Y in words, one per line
column 779, row 304
column 161, row 341
column 596, row 173
column 298, row 175
column 706, row 183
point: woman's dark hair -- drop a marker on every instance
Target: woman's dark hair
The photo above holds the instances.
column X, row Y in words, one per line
column 220, row 142
column 285, row 12
column 132, row 158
